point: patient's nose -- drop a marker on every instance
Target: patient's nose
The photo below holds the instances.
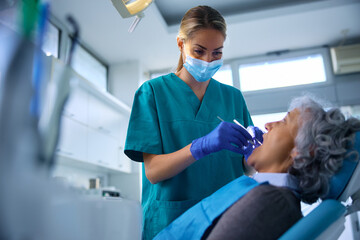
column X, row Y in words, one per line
column 268, row 126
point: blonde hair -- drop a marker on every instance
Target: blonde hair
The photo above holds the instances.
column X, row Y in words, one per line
column 197, row 18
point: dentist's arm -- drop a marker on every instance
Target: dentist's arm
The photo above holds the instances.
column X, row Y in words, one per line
column 226, row 135
column 165, row 166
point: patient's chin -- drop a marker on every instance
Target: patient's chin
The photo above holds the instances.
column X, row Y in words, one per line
column 251, row 159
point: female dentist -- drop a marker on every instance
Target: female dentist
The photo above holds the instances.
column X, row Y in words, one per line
column 174, row 127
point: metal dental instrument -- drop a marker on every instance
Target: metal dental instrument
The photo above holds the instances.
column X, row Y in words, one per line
column 220, row 119
column 235, row 121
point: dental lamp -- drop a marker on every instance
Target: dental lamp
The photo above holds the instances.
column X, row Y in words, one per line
column 128, row 8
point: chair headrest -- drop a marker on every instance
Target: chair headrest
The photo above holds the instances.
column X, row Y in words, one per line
column 345, row 182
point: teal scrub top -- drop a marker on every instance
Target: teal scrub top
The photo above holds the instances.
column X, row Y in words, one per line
column 166, row 116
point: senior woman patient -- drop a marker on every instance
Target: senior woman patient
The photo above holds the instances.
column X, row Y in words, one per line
column 298, row 157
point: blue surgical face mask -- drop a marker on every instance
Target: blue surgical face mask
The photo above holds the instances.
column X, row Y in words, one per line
column 202, row 70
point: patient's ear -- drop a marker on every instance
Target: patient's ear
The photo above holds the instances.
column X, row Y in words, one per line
column 289, row 161
column 293, row 154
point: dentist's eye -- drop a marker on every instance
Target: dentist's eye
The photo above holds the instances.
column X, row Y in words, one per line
column 198, row 52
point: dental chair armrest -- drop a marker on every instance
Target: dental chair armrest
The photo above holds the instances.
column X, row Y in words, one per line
column 316, row 222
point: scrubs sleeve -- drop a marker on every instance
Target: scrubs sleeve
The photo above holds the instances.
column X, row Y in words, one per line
column 247, row 118
column 143, row 135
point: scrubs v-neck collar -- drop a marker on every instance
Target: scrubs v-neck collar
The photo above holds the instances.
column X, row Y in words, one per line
column 200, row 108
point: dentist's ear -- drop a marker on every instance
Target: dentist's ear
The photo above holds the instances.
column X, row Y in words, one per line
column 180, row 43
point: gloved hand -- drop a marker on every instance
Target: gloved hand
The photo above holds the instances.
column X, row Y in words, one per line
column 256, row 134
column 225, row 136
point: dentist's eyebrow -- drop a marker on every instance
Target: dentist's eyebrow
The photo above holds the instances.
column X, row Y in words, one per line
column 201, row 46
column 206, row 48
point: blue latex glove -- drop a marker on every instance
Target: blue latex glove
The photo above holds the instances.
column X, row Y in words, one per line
column 256, row 133
column 226, row 135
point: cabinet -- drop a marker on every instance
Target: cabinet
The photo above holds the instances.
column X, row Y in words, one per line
column 93, row 128
column 104, row 118
column 122, row 163
column 73, row 139
column 77, row 105
column 102, row 148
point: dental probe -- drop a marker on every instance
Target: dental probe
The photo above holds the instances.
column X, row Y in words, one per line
column 235, row 121
column 220, row 119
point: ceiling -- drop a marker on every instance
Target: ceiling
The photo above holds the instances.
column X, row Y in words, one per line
column 173, row 14
column 255, row 27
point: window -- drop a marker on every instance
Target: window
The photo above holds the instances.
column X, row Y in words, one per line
column 90, row 68
column 224, row 75
column 51, row 41
column 261, row 119
column 353, row 111
column 282, row 73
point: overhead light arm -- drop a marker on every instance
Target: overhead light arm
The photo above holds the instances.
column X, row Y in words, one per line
column 130, row 9
column 135, row 22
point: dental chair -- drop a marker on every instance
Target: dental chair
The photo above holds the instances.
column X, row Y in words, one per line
column 327, row 220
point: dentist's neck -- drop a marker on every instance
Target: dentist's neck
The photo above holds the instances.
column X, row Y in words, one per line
column 199, row 88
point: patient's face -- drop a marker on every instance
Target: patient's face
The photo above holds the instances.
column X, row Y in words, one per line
column 275, row 155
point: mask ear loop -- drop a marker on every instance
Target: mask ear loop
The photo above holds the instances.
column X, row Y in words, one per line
column 183, row 55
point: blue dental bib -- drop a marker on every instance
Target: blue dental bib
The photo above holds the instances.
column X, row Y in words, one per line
column 194, row 222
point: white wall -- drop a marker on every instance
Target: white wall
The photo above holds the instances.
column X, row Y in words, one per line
column 124, row 80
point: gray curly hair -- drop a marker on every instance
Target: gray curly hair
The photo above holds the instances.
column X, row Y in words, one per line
column 321, row 145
